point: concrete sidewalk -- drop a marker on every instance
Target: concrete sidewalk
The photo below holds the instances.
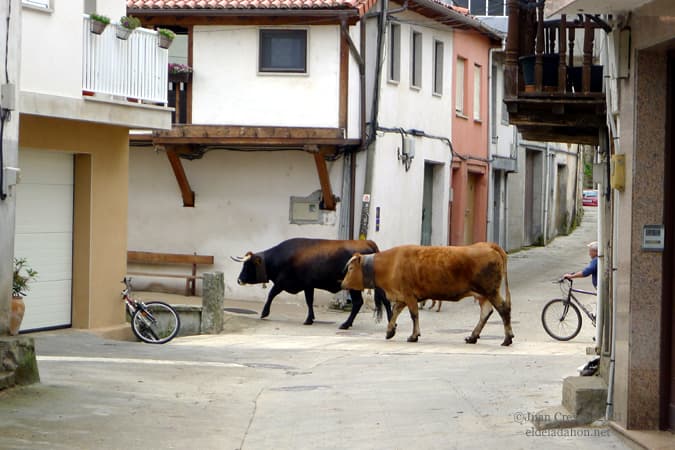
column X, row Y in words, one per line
column 278, row 384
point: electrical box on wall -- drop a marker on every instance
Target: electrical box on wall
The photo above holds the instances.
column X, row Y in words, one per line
column 653, row 238
column 618, row 172
column 305, row 209
column 408, row 147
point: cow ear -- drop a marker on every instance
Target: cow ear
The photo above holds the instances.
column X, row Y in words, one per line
column 257, row 260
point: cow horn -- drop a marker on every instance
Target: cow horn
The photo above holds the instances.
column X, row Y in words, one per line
column 241, row 258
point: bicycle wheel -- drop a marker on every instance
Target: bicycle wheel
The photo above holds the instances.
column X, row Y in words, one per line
column 561, row 320
column 156, row 324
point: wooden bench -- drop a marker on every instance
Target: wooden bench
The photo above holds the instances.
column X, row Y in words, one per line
column 153, row 258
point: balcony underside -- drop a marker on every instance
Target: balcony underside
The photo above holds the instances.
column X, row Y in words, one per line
column 194, row 141
column 559, row 118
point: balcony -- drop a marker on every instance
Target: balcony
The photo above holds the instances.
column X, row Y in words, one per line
column 132, row 70
column 548, row 96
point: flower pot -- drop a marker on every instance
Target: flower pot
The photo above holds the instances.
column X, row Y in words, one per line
column 550, row 70
column 123, row 32
column 182, row 77
column 97, row 27
column 164, row 42
column 16, row 315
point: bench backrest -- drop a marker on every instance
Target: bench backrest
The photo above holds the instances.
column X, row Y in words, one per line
column 167, row 258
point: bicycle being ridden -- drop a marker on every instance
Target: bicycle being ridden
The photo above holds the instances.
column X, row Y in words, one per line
column 153, row 322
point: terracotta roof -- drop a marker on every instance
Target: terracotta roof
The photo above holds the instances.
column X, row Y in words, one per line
column 246, row 4
column 439, row 10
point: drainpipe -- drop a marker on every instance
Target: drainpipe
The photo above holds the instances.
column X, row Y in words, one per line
column 547, row 174
column 370, row 144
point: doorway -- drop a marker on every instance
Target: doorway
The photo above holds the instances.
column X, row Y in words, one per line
column 427, row 204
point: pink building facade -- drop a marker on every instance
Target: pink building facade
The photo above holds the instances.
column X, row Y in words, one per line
column 470, row 126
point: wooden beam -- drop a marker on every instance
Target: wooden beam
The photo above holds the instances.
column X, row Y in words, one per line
column 324, row 178
column 229, row 135
column 183, row 183
column 343, row 105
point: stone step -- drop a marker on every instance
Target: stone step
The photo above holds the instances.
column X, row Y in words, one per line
column 585, row 397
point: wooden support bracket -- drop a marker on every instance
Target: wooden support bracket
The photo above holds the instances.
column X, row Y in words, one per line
column 183, row 183
column 324, row 179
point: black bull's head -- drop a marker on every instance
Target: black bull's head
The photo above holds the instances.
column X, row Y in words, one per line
column 253, row 271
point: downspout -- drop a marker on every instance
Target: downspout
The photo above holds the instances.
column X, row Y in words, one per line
column 364, row 145
column 547, row 168
column 602, row 186
column 491, row 179
column 370, row 147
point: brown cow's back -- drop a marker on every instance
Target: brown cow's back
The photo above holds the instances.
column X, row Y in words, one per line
column 441, row 273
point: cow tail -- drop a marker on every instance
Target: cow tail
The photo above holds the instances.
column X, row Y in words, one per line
column 507, row 295
column 378, row 304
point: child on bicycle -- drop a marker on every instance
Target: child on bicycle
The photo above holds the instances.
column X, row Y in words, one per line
column 591, row 268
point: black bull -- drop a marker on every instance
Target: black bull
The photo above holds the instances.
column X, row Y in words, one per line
column 301, row 264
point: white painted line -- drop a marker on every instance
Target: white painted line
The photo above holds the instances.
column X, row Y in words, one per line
column 157, row 362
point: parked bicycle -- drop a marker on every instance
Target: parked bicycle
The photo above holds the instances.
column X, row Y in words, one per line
column 153, row 322
column 561, row 316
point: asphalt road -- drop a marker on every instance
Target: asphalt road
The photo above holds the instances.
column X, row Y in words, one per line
column 277, row 384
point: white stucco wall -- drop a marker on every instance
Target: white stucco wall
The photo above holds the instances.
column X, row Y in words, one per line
column 227, row 88
column 242, row 204
column 51, row 46
column 397, row 192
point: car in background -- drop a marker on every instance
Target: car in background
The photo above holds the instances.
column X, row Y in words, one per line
column 590, row 197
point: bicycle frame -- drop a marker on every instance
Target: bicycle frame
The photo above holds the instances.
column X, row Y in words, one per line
column 572, row 298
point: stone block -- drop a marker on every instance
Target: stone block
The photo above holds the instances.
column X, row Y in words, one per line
column 17, row 360
column 585, row 397
column 213, row 302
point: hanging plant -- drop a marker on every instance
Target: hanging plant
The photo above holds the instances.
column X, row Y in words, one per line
column 166, row 37
column 126, row 26
column 98, row 23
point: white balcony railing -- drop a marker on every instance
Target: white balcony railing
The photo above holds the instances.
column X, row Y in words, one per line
column 135, row 68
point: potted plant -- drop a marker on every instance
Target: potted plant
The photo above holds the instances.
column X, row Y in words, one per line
column 165, row 37
column 23, row 275
column 180, row 73
column 98, row 23
column 126, row 26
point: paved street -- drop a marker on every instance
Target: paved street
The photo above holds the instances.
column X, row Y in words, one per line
column 276, row 384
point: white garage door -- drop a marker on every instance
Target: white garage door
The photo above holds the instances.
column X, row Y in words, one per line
column 44, row 235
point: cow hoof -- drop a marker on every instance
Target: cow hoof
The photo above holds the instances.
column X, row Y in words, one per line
column 345, row 326
column 471, row 339
column 412, row 339
column 507, row 341
column 264, row 314
column 308, row 322
column 391, row 333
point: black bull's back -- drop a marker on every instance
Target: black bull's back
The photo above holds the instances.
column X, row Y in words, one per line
column 302, row 264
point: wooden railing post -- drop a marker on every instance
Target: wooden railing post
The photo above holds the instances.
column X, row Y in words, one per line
column 512, row 50
column 562, row 65
column 589, row 36
column 539, row 51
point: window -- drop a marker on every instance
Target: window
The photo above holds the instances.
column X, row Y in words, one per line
column 483, row 7
column 438, row 67
column 416, row 60
column 459, row 86
column 283, row 51
column 395, row 52
column 477, row 72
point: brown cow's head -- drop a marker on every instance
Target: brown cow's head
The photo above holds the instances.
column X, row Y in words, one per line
column 353, row 273
column 253, row 270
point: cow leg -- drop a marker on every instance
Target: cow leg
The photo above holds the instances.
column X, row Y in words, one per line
column 504, row 311
column 309, row 299
column 413, row 308
column 357, row 302
column 391, row 328
column 485, row 313
column 273, row 293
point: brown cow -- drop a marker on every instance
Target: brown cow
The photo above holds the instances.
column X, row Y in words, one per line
column 412, row 273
